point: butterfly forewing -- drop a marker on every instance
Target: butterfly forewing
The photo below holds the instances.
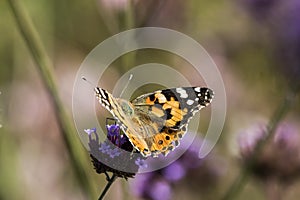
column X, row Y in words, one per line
column 173, row 106
column 171, row 110
column 158, row 120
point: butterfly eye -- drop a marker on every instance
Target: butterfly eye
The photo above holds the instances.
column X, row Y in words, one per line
column 127, row 109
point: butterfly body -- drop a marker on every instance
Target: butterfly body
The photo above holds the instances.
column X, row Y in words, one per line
column 155, row 122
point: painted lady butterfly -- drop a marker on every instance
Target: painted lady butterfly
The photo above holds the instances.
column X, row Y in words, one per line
column 155, row 122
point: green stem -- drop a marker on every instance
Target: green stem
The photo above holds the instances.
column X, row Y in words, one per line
column 109, row 183
column 242, row 178
column 45, row 68
column 128, row 60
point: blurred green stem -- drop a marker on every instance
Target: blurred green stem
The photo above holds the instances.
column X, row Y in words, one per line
column 129, row 14
column 242, row 178
column 128, row 61
column 78, row 158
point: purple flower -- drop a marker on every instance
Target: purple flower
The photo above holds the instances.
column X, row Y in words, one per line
column 90, row 131
column 120, row 140
column 287, row 33
column 113, row 130
column 174, row 172
column 141, row 162
column 249, row 138
column 259, row 9
column 151, row 187
column 140, row 184
column 160, row 183
column 280, row 157
column 114, row 152
column 110, row 155
column 160, row 189
column 104, row 147
column 114, row 5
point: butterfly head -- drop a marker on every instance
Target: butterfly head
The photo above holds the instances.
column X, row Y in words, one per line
column 126, row 107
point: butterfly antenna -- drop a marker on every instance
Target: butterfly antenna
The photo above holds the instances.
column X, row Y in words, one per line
column 89, row 82
column 129, row 79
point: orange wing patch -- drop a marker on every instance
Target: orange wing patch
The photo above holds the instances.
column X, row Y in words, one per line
column 139, row 144
column 166, row 141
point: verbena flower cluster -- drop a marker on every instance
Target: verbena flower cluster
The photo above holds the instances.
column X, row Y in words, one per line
column 113, row 155
column 280, row 157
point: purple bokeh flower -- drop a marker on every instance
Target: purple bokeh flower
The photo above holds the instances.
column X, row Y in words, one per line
column 114, row 5
column 160, row 189
column 259, row 9
column 139, row 185
column 280, row 157
column 174, row 172
column 287, row 33
column 249, row 139
column 189, row 167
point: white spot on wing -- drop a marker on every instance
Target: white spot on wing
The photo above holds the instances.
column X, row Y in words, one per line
column 197, row 89
column 182, row 93
column 189, row 102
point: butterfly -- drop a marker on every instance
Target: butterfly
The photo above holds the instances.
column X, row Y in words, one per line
column 155, row 122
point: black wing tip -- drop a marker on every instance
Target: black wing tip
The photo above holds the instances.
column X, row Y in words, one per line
column 204, row 94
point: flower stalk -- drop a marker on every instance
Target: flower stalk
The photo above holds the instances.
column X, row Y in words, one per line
column 242, row 178
column 45, row 68
column 109, row 183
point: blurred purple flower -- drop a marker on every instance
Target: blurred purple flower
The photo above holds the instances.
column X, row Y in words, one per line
column 160, row 183
column 160, row 189
column 114, row 4
column 259, row 9
column 249, row 138
column 140, row 184
column 280, row 157
column 287, row 32
column 174, row 172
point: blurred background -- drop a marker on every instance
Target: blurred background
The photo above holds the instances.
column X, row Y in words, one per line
column 255, row 44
